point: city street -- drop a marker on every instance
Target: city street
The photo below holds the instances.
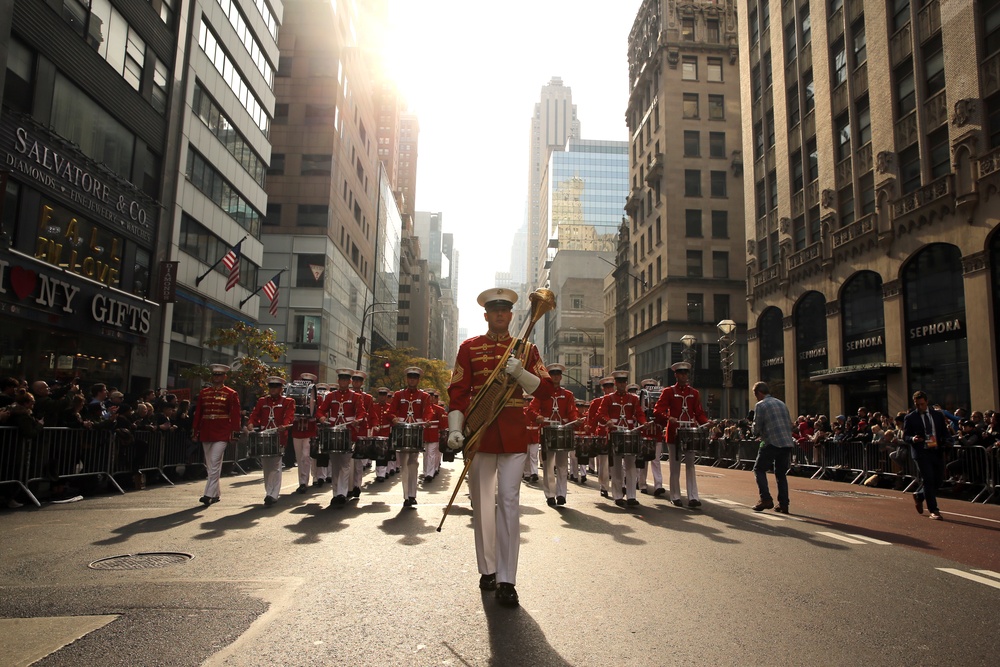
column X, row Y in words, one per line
column 852, row 576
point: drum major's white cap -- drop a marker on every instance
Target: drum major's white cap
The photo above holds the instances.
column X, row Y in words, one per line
column 497, row 295
column 219, row 368
column 274, row 379
column 308, row 377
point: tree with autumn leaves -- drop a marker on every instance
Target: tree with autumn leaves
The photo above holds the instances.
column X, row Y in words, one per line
column 437, row 373
column 249, row 371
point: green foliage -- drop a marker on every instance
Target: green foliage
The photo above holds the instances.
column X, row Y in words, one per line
column 250, row 372
column 437, row 373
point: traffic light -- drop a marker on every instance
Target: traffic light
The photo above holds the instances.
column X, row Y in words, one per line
column 386, row 365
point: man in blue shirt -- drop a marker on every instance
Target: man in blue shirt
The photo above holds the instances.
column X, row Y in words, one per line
column 773, row 425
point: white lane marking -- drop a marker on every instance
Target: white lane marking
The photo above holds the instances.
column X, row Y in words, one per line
column 772, row 517
column 970, row 576
column 841, row 538
column 731, row 503
column 971, row 516
column 870, row 539
column 989, row 573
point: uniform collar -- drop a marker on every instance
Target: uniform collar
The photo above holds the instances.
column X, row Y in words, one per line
column 503, row 337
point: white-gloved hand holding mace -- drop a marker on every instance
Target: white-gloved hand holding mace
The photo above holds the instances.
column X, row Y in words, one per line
column 455, row 422
column 529, row 383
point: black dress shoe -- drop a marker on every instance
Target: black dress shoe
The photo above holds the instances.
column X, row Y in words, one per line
column 660, row 491
column 216, row 499
column 604, row 493
column 694, row 502
column 338, row 501
column 632, row 502
column 488, row 582
column 919, row 502
column 781, row 509
column 551, row 502
column 356, row 492
column 407, row 503
column 380, row 479
column 428, row 478
column 560, row 500
column 268, row 501
column 506, row 595
column 572, row 478
column 534, row 478
column 646, row 491
column 329, row 480
column 583, row 479
column 677, row 502
column 413, row 501
column 206, row 500
column 318, row 483
column 301, row 489
column 620, row 502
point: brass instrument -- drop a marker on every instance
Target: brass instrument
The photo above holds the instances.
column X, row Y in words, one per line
column 490, row 400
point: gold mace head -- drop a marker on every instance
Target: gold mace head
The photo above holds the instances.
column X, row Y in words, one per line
column 542, row 300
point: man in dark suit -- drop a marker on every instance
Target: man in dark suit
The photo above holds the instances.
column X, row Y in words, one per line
column 924, row 429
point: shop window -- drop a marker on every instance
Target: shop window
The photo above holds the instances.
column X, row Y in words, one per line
column 308, row 332
column 19, row 84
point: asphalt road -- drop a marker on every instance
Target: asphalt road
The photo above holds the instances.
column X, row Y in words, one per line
column 853, row 576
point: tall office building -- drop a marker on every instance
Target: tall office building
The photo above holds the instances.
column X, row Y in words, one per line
column 683, row 268
column 872, row 233
column 325, row 185
column 553, row 123
column 406, row 174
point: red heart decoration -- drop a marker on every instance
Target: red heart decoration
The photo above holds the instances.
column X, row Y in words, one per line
column 23, row 281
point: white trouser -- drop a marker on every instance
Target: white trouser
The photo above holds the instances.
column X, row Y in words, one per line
column 624, row 464
column 531, row 460
column 653, row 465
column 358, row 472
column 272, row 475
column 495, row 490
column 602, row 471
column 302, row 459
column 214, row 451
column 554, row 473
column 675, row 473
column 408, row 471
column 319, row 472
column 432, row 458
column 340, row 471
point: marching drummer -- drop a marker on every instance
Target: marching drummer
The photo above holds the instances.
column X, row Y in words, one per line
column 410, row 406
column 321, row 473
column 495, row 470
column 432, row 434
column 598, row 430
column 273, row 411
column 530, row 473
column 358, row 465
column 304, row 430
column 380, row 428
column 679, row 406
column 216, row 418
column 558, row 409
column 620, row 411
column 342, row 407
column 646, row 386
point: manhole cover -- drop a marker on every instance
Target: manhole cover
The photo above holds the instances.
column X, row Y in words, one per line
column 843, row 494
column 141, row 561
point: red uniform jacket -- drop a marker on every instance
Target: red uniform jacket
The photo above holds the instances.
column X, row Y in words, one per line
column 433, row 428
column 344, row 407
column 683, row 403
column 594, row 426
column 405, row 400
column 565, row 407
column 379, row 419
column 621, row 410
column 369, row 402
column 477, row 357
column 273, row 412
column 217, row 414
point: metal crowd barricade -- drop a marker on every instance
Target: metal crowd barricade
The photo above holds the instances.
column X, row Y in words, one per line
column 236, row 451
column 72, row 452
column 179, row 450
column 727, row 453
column 847, row 456
column 975, row 469
column 14, row 461
column 143, row 454
column 746, row 455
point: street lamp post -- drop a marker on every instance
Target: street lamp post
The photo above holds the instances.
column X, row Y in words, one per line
column 688, row 354
column 593, row 360
column 727, row 328
column 364, row 318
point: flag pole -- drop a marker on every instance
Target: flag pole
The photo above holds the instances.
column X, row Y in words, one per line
column 261, row 287
column 197, row 281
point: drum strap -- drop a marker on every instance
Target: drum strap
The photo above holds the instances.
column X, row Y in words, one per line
column 270, row 420
column 685, row 414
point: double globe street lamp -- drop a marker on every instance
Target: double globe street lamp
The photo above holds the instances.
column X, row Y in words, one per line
column 727, row 328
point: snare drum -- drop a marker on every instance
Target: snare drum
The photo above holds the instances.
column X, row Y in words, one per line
column 625, row 443
column 558, row 438
column 333, row 440
column 362, row 449
column 407, row 437
column 586, row 446
column 692, row 438
column 647, row 449
column 264, row 443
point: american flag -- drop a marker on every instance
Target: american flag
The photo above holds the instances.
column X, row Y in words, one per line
column 270, row 290
column 232, row 262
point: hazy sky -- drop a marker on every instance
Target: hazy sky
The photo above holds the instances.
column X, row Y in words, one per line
column 472, row 72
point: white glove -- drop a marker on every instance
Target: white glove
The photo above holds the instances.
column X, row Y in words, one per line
column 529, row 383
column 455, row 422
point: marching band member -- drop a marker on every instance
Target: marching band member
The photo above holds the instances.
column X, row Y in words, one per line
column 273, row 411
column 680, row 405
column 216, row 418
column 358, row 465
column 495, row 470
column 530, row 473
column 380, row 427
column 410, row 406
column 342, row 406
column 321, row 473
column 560, row 408
column 598, row 430
column 654, row 465
column 304, row 430
column 621, row 411
column 432, row 434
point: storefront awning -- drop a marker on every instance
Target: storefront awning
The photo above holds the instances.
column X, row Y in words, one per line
column 845, row 374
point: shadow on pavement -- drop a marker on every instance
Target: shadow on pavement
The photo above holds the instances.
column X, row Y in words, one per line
column 589, row 523
column 318, row 519
column 152, row 525
column 408, row 525
column 516, row 639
